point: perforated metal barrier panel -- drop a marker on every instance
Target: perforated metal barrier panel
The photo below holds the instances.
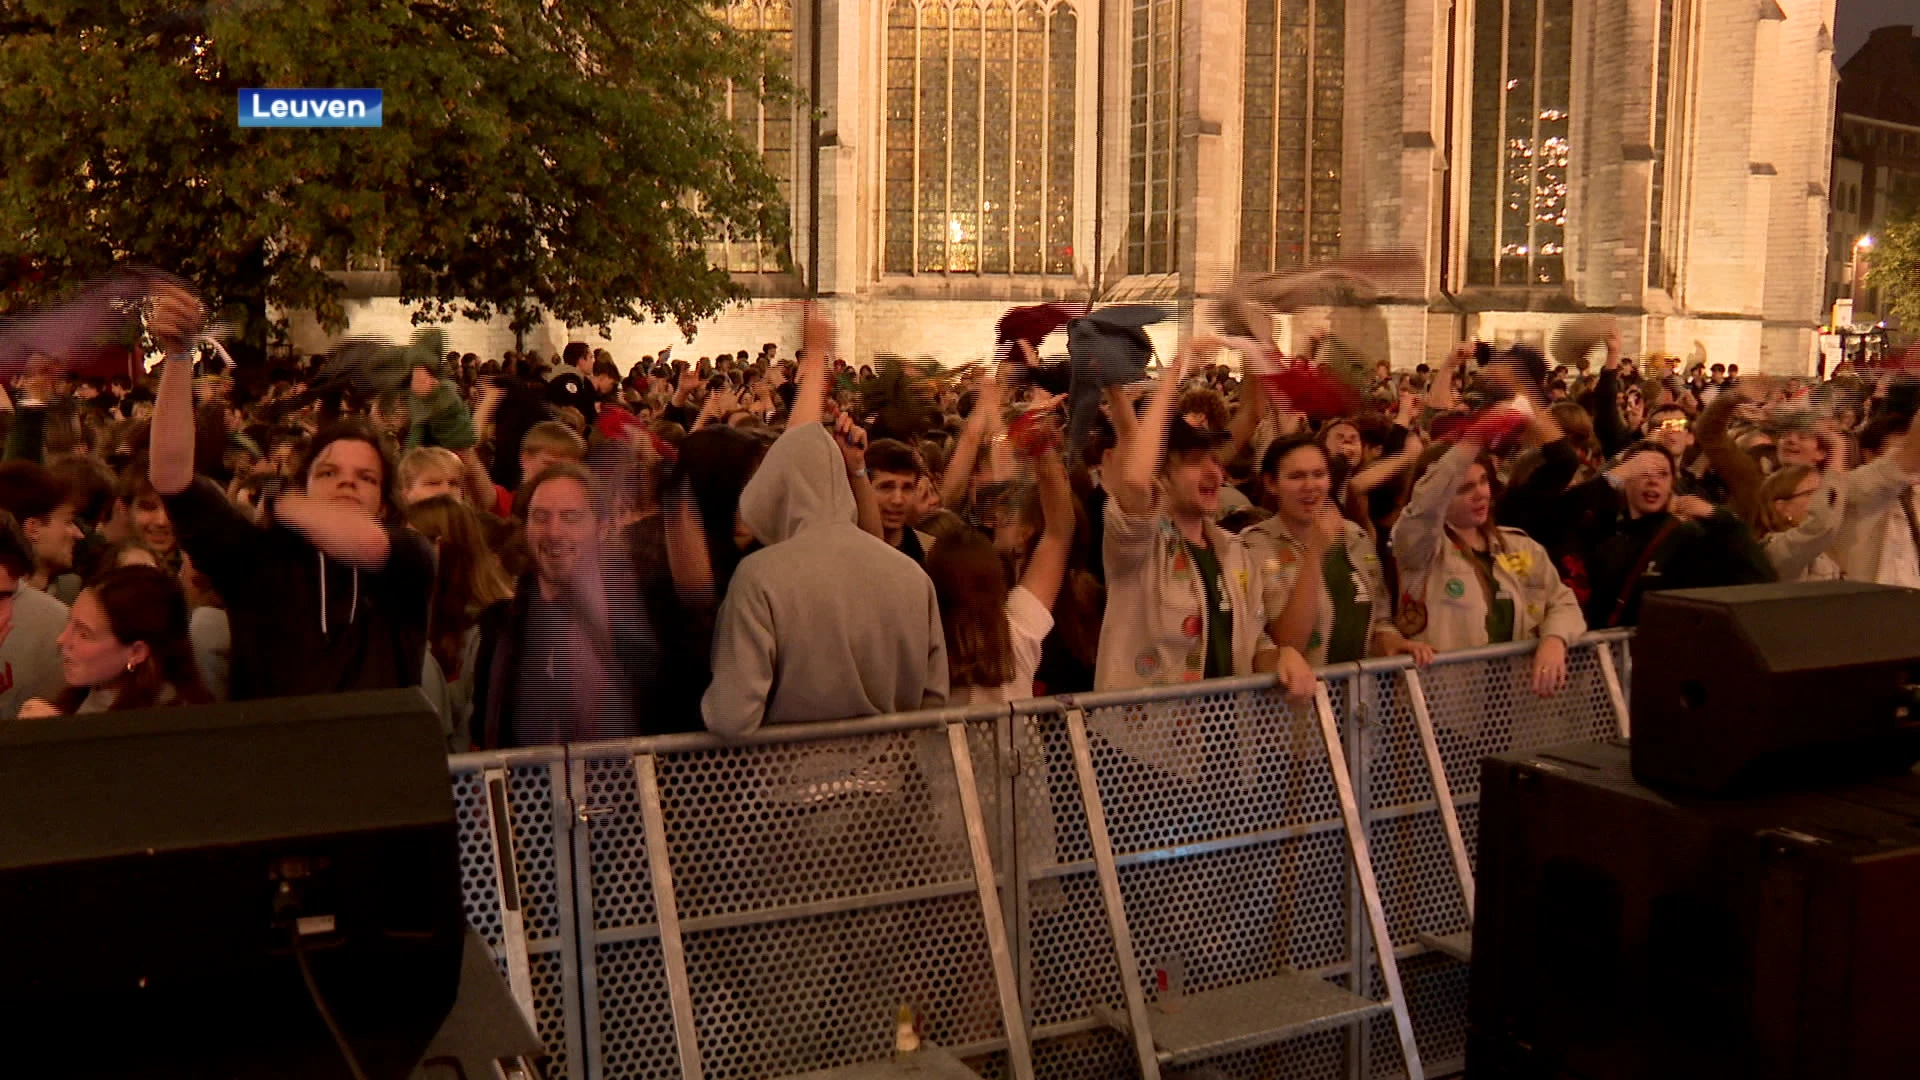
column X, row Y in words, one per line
column 806, row 884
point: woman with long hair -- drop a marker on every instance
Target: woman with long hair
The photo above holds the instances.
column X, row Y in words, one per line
column 994, row 634
column 469, row 583
column 1464, row 579
column 1798, row 521
column 126, row 646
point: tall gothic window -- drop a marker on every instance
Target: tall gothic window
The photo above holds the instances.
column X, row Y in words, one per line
column 1290, row 181
column 765, row 125
column 1153, row 137
column 1663, row 41
column 1522, row 95
column 980, row 137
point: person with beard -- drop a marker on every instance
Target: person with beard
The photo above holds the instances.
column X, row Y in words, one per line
column 328, row 593
column 1465, row 580
column 574, row 657
column 1183, row 602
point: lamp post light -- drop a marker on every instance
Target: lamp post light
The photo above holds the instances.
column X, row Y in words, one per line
column 1860, row 249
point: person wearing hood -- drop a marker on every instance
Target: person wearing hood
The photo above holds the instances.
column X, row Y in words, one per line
column 826, row 621
column 329, row 593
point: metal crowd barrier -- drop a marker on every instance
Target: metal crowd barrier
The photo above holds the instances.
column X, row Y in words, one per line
column 691, row 907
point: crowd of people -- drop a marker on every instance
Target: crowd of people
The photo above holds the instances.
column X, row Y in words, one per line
column 558, row 549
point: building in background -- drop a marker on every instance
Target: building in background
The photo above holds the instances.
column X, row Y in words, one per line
column 1876, row 159
column 1664, row 160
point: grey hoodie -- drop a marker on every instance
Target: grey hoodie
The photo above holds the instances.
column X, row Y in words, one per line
column 826, row 622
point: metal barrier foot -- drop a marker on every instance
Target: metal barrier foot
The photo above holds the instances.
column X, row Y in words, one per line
column 927, row 1063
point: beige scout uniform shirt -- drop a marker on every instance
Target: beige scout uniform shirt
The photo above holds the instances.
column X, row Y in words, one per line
column 1279, row 558
column 1442, row 600
column 1155, row 630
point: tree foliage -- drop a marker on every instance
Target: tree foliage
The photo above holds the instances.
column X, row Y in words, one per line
column 563, row 157
column 1893, row 267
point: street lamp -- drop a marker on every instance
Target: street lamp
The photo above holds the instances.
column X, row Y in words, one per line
column 1860, row 248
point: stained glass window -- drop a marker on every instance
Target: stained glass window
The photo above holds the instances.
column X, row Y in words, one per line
column 1294, row 102
column 1663, row 35
column 1522, row 98
column 1152, row 146
column 980, row 137
column 766, row 126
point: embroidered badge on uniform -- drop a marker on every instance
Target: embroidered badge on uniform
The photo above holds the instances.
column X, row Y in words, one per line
column 1190, row 626
column 1288, row 556
column 1455, row 588
column 1412, row 618
column 1271, row 567
column 1145, row 664
column 1518, row 563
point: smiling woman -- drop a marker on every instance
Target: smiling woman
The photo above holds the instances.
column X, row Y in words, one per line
column 126, row 646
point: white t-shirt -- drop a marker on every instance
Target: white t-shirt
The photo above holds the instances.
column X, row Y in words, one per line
column 1028, row 624
column 1899, row 563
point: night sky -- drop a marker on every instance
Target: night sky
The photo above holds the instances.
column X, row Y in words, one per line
column 1855, row 19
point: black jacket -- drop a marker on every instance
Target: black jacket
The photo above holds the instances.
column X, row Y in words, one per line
column 304, row 623
column 1714, row 551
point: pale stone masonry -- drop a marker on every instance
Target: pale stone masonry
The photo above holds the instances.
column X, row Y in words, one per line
column 1738, row 135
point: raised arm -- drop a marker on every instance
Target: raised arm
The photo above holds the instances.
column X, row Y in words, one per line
column 1736, row 467
column 1421, row 532
column 1388, row 467
column 1440, row 396
column 688, row 559
column 1133, row 489
column 966, row 453
column 1292, row 626
column 344, row 532
column 810, row 392
column 1048, row 567
column 176, row 319
column 1253, row 406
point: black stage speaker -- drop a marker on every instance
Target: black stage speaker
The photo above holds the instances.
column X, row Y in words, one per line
column 157, row 866
column 1768, row 687
column 1622, row 935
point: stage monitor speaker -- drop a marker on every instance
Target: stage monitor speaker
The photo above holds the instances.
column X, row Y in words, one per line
column 1767, row 687
column 1624, row 935
column 158, row 867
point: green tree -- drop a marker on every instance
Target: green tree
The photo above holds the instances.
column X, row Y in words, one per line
column 563, row 157
column 1893, row 267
